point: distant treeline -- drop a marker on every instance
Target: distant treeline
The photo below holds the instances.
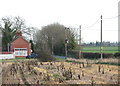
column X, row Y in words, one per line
column 99, row 43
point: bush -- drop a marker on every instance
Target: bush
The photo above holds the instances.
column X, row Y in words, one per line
column 117, row 55
column 45, row 58
column 91, row 55
column 73, row 54
column 44, row 55
column 108, row 55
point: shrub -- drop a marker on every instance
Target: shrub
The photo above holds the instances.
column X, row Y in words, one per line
column 44, row 57
column 117, row 55
column 107, row 55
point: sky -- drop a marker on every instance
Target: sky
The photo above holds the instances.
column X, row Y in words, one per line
column 70, row 13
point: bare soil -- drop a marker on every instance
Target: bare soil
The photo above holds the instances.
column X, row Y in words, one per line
column 35, row 72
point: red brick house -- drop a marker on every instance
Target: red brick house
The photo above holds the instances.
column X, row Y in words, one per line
column 20, row 46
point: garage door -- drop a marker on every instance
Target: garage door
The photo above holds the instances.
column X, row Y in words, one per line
column 20, row 51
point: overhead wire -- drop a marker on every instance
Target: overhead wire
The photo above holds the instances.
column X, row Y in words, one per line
column 92, row 24
column 114, row 17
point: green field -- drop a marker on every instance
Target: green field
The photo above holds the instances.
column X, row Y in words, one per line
column 93, row 49
column 59, row 59
column 13, row 60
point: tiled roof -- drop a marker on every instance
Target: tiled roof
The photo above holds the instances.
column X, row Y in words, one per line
column 17, row 38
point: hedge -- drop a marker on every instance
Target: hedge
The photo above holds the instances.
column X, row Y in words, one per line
column 75, row 54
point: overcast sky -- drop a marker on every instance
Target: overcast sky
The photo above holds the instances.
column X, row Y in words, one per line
column 70, row 13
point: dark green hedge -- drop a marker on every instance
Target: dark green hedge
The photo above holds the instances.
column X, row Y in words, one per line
column 75, row 54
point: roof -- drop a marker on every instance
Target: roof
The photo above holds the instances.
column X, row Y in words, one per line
column 18, row 38
column 13, row 39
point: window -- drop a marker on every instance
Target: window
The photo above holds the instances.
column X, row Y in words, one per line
column 20, row 51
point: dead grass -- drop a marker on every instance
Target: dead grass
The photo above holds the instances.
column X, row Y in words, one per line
column 52, row 72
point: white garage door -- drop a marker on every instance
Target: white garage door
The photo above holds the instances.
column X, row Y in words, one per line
column 20, row 51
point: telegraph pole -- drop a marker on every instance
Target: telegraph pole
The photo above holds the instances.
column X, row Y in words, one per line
column 52, row 47
column 65, row 43
column 101, row 39
column 80, row 43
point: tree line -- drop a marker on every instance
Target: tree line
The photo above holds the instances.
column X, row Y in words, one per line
column 104, row 43
column 9, row 27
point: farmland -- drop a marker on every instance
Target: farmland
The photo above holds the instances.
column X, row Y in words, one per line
column 75, row 71
column 95, row 49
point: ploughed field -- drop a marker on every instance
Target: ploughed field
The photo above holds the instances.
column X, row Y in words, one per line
column 35, row 72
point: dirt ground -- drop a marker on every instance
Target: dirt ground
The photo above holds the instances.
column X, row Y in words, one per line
column 35, row 72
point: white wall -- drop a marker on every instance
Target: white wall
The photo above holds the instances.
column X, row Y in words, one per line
column 7, row 56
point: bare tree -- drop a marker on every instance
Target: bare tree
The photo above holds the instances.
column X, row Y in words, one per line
column 16, row 23
column 42, row 48
column 51, row 38
column 9, row 26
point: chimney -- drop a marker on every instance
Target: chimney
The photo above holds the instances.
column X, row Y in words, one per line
column 19, row 33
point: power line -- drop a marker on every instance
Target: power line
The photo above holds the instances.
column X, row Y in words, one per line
column 92, row 24
column 89, row 29
column 111, row 30
column 114, row 17
column 103, row 30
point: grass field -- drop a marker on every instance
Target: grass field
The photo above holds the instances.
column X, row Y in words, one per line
column 13, row 60
column 93, row 49
column 59, row 59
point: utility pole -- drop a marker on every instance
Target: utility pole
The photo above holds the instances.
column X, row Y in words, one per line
column 80, row 56
column 66, row 41
column 101, row 39
column 52, row 47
